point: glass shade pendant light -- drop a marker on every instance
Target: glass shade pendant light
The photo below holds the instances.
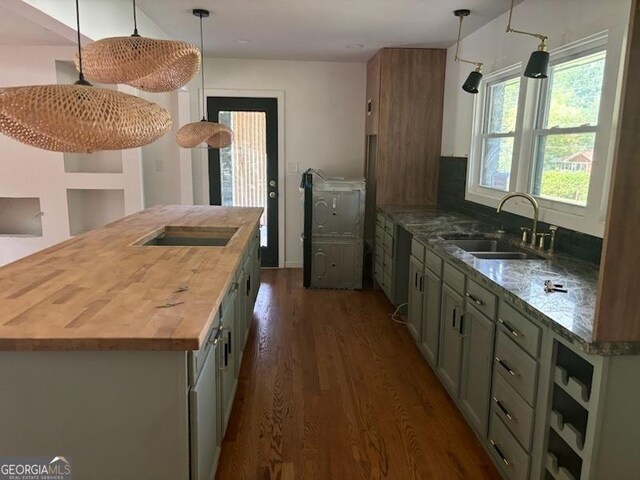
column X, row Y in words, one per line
column 473, row 80
column 216, row 135
column 538, row 65
column 79, row 118
column 145, row 63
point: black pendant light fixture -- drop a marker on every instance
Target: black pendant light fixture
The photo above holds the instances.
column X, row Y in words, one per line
column 538, row 65
column 473, row 80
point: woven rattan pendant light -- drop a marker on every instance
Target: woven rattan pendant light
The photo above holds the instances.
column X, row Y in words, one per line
column 148, row 64
column 215, row 135
column 79, row 118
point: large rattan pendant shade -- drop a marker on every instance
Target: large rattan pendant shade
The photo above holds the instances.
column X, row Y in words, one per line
column 215, row 135
column 145, row 63
column 79, row 118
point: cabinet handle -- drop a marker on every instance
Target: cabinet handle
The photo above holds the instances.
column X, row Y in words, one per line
column 415, row 280
column 248, row 284
column 461, row 326
column 453, row 319
column 369, row 107
column 497, row 449
column 229, row 342
column 503, row 408
column 475, row 300
column 506, row 367
column 421, row 283
column 511, row 330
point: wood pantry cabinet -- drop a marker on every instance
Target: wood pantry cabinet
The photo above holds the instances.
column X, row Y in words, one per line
column 405, row 92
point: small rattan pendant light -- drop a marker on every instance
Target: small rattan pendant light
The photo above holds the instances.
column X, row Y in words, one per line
column 79, row 118
column 216, row 135
column 148, row 64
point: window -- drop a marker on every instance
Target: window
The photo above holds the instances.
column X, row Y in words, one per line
column 499, row 131
column 551, row 138
column 567, row 127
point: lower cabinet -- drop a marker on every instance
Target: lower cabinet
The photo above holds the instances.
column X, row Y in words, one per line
column 430, row 337
column 204, row 418
column 416, row 295
column 451, row 323
column 227, row 364
column 477, row 357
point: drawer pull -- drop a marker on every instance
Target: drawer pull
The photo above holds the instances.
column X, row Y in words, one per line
column 475, row 300
column 503, row 408
column 506, row 367
column 511, row 330
column 497, row 449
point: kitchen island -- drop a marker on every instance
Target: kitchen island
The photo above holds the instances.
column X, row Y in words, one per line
column 119, row 348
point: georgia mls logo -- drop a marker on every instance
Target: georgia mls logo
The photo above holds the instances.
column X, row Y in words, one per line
column 35, row 468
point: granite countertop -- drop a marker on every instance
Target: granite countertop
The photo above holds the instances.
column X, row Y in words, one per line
column 570, row 315
column 104, row 291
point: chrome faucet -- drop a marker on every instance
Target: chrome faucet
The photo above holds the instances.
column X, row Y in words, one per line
column 536, row 209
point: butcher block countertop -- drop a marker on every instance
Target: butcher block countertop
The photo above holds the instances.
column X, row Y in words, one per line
column 104, row 291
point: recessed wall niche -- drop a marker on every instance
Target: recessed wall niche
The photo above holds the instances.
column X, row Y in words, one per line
column 20, row 217
column 89, row 209
column 108, row 161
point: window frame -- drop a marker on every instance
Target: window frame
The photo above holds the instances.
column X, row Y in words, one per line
column 531, row 110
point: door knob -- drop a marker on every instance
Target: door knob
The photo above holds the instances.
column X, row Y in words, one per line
column 272, row 194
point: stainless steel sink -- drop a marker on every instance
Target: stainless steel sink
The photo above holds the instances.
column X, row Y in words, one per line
column 484, row 245
column 505, row 256
column 492, row 249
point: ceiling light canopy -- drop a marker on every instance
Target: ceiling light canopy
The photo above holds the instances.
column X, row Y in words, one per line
column 79, row 118
column 473, row 80
column 148, row 64
column 538, row 65
column 215, row 135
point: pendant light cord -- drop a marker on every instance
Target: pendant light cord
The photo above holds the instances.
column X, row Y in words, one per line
column 81, row 79
column 135, row 21
column 204, row 106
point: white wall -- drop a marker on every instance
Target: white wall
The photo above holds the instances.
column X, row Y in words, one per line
column 30, row 172
column 563, row 21
column 323, row 124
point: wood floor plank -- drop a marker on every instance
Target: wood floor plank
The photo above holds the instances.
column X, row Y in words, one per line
column 331, row 388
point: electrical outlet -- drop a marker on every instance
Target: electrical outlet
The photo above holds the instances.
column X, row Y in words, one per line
column 292, row 167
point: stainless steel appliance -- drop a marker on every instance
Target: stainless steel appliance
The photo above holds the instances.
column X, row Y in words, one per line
column 333, row 230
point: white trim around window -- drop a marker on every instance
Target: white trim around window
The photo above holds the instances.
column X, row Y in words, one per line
column 587, row 219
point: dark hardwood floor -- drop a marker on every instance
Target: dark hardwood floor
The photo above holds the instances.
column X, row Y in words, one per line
column 332, row 389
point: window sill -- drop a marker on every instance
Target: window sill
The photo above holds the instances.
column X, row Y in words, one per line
column 563, row 215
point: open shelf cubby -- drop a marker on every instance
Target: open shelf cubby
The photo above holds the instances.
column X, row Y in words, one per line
column 573, row 373
column 20, row 217
column 89, row 209
column 108, row 161
column 561, row 457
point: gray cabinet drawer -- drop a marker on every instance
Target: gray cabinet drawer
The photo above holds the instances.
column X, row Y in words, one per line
column 433, row 262
column 388, row 243
column 454, row 278
column 511, row 457
column 390, row 227
column 482, row 299
column 417, row 250
column 516, row 414
column 196, row 358
column 518, row 368
column 519, row 328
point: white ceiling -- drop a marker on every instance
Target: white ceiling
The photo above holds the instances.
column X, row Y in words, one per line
column 16, row 29
column 318, row 29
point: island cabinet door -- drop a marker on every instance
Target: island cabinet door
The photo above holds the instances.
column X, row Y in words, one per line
column 239, row 321
column 431, row 317
column 227, row 368
column 475, row 388
column 450, row 357
column 203, row 406
column 416, row 282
